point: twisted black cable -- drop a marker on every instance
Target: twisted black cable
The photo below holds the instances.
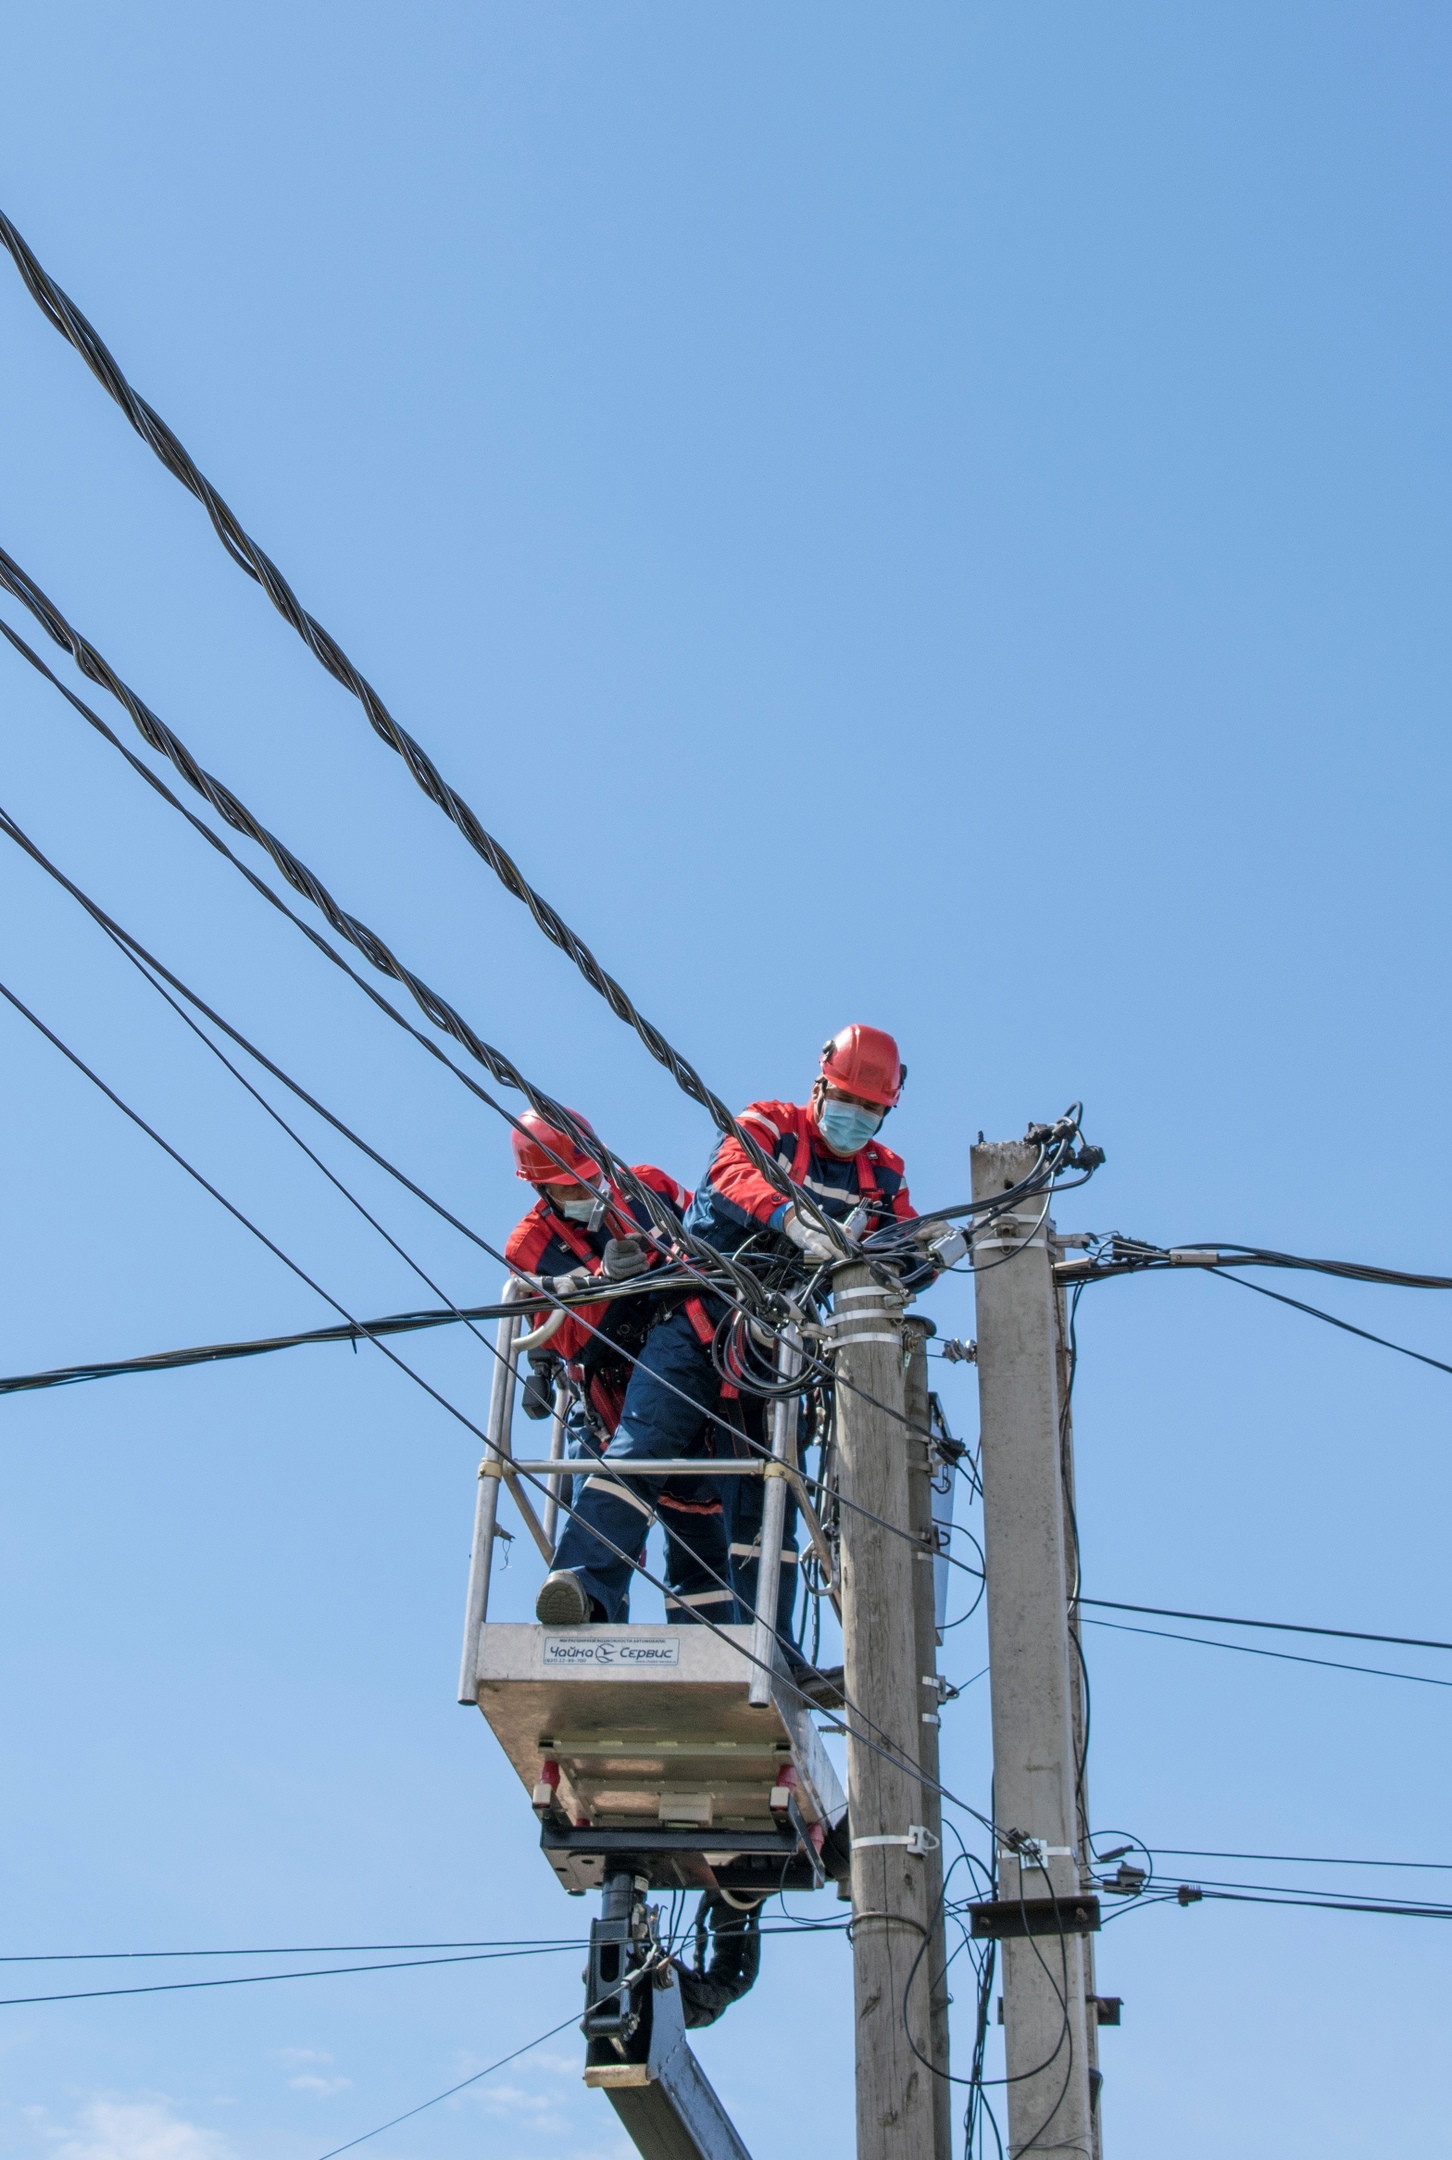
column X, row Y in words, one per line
column 624, row 1175
column 66, row 318
column 1118, row 1255
column 436, row 1007
column 151, row 969
column 890, row 1752
column 235, row 813
column 259, row 1346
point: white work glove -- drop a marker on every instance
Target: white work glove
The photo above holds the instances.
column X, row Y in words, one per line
column 624, row 1257
column 579, row 1278
column 814, row 1244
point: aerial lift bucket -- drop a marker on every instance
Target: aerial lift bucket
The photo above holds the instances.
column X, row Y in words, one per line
column 654, row 1757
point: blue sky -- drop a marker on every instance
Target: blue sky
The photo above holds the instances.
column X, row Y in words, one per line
column 934, row 516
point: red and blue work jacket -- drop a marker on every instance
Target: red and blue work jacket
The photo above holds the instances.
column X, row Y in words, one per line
column 736, row 1202
column 599, row 1341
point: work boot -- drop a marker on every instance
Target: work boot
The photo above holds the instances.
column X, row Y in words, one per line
column 563, row 1600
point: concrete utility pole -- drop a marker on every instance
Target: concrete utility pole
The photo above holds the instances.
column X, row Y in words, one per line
column 891, row 1902
column 1050, row 2015
column 921, row 1465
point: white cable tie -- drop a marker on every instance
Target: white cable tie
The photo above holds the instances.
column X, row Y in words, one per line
column 918, row 1839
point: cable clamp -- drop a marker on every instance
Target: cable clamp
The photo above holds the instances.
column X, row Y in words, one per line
column 775, row 1469
column 919, row 1840
column 1033, row 1852
column 492, row 1466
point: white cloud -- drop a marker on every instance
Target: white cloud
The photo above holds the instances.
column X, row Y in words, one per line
column 138, row 2130
column 525, row 2107
column 310, row 2082
column 304, row 2055
column 513, row 2100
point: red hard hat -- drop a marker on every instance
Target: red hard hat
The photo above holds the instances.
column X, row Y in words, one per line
column 864, row 1061
column 537, row 1144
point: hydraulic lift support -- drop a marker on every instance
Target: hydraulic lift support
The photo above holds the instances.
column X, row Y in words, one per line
column 636, row 2051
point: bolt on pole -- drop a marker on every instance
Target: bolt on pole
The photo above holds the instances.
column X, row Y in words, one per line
column 1028, row 1543
column 891, row 1905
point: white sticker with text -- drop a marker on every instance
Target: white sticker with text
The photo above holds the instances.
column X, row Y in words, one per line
column 630, row 1649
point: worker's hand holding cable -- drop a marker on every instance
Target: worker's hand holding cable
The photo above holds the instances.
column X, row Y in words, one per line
column 624, row 1257
column 813, row 1243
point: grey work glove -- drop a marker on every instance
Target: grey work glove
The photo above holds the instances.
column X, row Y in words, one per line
column 624, row 1257
column 813, row 1243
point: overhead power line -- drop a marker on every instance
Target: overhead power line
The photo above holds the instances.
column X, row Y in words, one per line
column 1052, row 1144
column 1118, row 1255
column 1280, row 1627
column 439, row 1010
column 528, row 1942
column 889, row 1752
column 1347, row 1327
column 1326, row 1904
column 1198, row 1852
column 1115, row 1256
column 66, row 318
column 157, row 975
column 317, row 1972
column 351, row 1332
column 449, row 2090
column 1285, row 1657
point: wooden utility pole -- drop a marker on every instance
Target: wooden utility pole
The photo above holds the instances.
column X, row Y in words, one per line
column 1050, row 2015
column 922, row 1463
column 891, row 1843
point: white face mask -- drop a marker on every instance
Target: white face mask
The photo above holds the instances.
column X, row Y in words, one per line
column 582, row 1210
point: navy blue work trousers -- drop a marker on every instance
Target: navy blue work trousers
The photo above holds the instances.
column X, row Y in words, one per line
column 673, row 1391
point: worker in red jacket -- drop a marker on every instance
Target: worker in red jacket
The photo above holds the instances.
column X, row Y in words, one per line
column 674, row 1403
column 581, row 1226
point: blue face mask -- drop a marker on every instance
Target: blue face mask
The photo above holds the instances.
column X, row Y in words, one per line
column 845, row 1127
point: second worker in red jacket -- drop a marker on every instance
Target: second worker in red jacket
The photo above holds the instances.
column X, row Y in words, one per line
column 673, row 1403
